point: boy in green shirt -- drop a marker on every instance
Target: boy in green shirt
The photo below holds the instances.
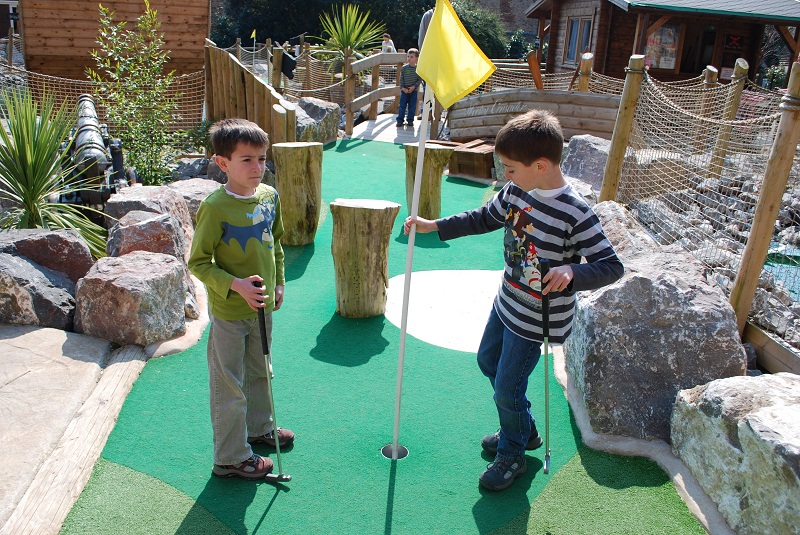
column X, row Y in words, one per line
column 236, row 252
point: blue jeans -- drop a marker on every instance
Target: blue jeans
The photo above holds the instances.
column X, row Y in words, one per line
column 407, row 100
column 508, row 360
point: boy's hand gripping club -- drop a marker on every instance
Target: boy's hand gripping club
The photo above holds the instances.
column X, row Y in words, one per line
column 262, row 327
column 544, row 267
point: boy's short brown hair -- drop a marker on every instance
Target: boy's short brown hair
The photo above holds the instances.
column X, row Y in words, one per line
column 534, row 134
column 413, row 51
column 228, row 133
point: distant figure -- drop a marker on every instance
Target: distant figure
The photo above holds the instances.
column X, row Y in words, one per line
column 388, row 44
column 423, row 26
column 409, row 82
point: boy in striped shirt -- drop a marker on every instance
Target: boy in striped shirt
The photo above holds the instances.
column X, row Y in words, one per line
column 542, row 216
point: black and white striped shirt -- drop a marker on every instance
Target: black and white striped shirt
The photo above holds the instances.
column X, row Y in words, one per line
column 553, row 224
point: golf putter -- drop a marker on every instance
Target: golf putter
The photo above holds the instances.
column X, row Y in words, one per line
column 280, row 477
column 544, row 267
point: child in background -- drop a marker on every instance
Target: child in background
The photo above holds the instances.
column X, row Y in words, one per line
column 387, row 45
column 542, row 216
column 409, row 87
column 236, row 252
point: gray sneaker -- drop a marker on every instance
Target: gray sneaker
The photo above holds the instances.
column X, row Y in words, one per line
column 499, row 475
column 489, row 442
column 256, row 467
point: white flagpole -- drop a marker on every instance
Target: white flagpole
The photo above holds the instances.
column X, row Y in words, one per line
column 427, row 105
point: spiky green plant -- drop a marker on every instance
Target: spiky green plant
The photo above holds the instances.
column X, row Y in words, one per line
column 349, row 31
column 35, row 172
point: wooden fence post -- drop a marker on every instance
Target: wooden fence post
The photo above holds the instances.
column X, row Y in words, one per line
column 349, row 94
column 239, row 49
column 622, row 128
column 376, row 76
column 776, row 176
column 738, row 80
column 585, row 71
column 277, row 60
column 535, row 67
column 307, row 66
column 209, row 82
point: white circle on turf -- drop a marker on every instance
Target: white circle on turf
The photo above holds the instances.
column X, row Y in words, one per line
column 445, row 308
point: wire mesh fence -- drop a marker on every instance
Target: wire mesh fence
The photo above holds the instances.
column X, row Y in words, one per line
column 692, row 177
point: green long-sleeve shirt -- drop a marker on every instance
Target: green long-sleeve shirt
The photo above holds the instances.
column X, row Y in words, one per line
column 237, row 238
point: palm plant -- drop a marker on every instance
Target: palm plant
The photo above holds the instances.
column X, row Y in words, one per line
column 349, row 32
column 34, row 170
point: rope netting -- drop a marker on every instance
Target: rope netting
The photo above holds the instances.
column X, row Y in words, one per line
column 188, row 92
column 693, row 178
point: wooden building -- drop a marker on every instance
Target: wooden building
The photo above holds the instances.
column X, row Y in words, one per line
column 59, row 35
column 678, row 37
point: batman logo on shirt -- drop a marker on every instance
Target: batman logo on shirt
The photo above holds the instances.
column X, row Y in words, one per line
column 261, row 229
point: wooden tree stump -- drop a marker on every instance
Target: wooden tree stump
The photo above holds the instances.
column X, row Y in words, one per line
column 430, row 195
column 298, row 179
column 361, row 232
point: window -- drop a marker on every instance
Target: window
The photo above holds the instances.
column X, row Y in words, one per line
column 579, row 38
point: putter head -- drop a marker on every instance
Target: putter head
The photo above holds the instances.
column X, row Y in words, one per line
column 546, row 469
column 278, row 478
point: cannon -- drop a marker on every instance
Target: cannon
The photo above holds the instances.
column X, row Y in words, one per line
column 96, row 157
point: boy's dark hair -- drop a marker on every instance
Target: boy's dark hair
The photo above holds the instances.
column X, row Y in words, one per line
column 228, row 133
column 534, row 134
column 413, row 51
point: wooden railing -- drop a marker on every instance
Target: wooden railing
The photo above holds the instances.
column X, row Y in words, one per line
column 233, row 91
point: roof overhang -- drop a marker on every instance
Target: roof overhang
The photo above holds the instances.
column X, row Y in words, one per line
column 763, row 14
column 539, row 5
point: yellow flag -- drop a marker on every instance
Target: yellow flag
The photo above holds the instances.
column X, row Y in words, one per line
column 253, row 35
column 450, row 61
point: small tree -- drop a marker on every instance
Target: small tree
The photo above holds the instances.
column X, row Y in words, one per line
column 135, row 92
column 349, row 32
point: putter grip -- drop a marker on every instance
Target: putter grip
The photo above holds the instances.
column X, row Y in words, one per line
column 544, row 267
column 262, row 327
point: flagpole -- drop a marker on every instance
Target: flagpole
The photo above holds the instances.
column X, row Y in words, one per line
column 427, row 105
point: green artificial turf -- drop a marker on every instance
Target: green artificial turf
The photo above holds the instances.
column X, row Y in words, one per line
column 334, row 386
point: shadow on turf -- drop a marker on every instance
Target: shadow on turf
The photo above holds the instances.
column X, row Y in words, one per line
column 227, row 499
column 485, row 510
column 296, row 260
column 423, row 241
column 350, row 342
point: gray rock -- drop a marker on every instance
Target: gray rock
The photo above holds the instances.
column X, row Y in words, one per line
column 158, row 199
column 740, row 438
column 659, row 329
column 194, row 190
column 215, row 173
column 60, row 250
column 138, row 298
column 586, row 159
column 147, row 231
column 31, row 294
column 317, row 120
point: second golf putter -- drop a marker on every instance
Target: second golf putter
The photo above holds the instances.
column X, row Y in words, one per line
column 544, row 267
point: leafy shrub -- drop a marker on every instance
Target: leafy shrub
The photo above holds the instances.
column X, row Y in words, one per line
column 35, row 172
column 135, row 92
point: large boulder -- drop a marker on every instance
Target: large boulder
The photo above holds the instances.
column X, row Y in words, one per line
column 147, row 231
column 158, row 199
column 137, row 298
column 317, row 120
column 740, row 438
column 637, row 342
column 194, row 191
column 31, row 294
column 60, row 250
column 585, row 159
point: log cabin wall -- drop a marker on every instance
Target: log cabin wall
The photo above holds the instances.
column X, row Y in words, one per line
column 579, row 9
column 60, row 35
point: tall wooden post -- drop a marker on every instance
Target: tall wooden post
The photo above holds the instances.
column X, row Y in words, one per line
column 298, row 178
column 430, row 196
column 776, row 176
column 278, row 124
column 10, row 48
column 307, row 66
column 585, row 71
column 239, row 49
column 373, row 108
column 535, row 66
column 349, row 94
column 277, row 61
column 622, row 128
column 209, row 82
column 701, row 141
column 731, row 107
